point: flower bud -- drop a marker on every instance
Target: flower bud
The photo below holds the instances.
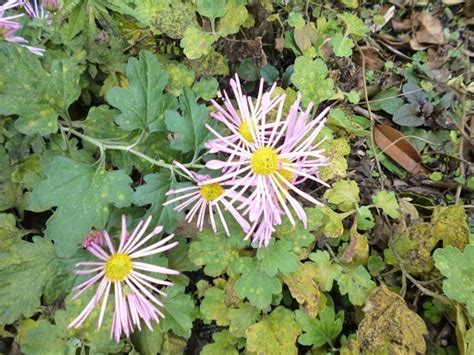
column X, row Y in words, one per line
column 51, row 5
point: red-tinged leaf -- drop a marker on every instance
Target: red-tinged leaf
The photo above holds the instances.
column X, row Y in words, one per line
column 394, row 144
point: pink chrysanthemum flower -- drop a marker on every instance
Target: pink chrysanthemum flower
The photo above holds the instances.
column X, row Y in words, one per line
column 243, row 121
column 203, row 200
column 8, row 27
column 280, row 157
column 132, row 284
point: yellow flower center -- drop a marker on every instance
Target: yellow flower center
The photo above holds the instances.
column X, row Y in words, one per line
column 244, row 131
column 264, row 161
column 118, row 267
column 211, row 192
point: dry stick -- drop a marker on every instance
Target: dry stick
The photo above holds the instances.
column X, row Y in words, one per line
column 461, row 142
column 415, row 282
column 371, row 118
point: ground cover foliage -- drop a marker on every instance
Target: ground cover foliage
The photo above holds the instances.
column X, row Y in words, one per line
column 89, row 131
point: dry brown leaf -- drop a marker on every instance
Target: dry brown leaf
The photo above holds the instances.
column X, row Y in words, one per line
column 389, row 326
column 304, row 37
column 394, row 144
column 430, row 29
column 401, row 26
column 357, row 251
column 372, row 58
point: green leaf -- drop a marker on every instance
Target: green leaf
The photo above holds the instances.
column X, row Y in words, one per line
column 311, row 78
column 344, row 194
column 341, row 45
column 215, row 251
column 328, row 271
column 278, row 257
column 29, row 172
column 354, row 25
column 179, row 310
column 375, row 264
column 196, row 43
column 82, row 195
column 148, row 341
column 365, row 219
column 143, row 103
column 236, row 15
column 9, row 234
column 36, row 95
column 224, row 343
column 180, row 77
column 322, row 330
column 206, row 88
column 153, row 192
column 98, row 341
column 25, row 269
column 242, row 318
column 296, row 20
column 247, row 70
column 458, row 269
column 257, row 287
column 211, row 8
column 387, row 201
column 32, row 335
column 356, row 283
column 189, row 127
column 276, row 333
column 213, row 307
column 10, row 192
column 408, row 115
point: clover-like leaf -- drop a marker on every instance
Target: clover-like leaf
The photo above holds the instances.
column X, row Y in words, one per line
column 328, row 271
column 196, row 43
column 344, row 194
column 38, row 96
column 278, row 257
column 224, row 343
column 387, row 201
column 213, row 307
column 189, row 126
column 235, row 16
column 143, row 103
column 276, row 333
column 341, row 45
column 458, row 269
column 179, row 311
column 356, row 283
column 325, row 328
column 354, row 25
column 215, row 251
column 311, row 79
column 257, row 287
column 82, row 195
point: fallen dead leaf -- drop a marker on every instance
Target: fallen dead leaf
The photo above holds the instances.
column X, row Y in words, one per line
column 430, row 29
column 394, row 144
column 401, row 26
column 373, row 61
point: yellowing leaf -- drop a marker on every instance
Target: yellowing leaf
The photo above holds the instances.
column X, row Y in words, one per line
column 275, row 334
column 304, row 289
column 449, row 224
column 387, row 201
column 389, row 326
column 213, row 307
column 196, row 43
